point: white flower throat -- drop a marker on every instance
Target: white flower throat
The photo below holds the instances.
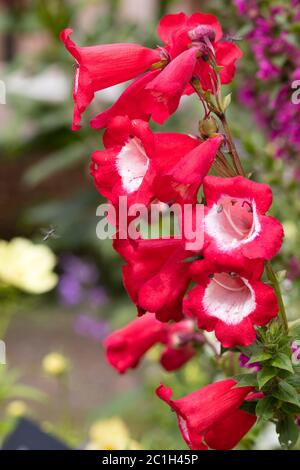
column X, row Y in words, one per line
column 132, row 164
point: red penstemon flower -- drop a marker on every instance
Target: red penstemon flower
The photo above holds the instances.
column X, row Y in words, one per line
column 156, row 276
column 135, row 157
column 182, row 181
column 211, row 417
column 230, row 299
column 99, row 67
column 235, row 224
column 127, row 346
column 130, row 103
column 192, row 45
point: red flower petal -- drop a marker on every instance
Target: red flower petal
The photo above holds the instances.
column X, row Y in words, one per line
column 202, row 412
column 167, row 88
column 126, row 347
column 103, row 66
column 130, row 103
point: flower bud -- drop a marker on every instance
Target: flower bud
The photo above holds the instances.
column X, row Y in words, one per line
column 208, row 127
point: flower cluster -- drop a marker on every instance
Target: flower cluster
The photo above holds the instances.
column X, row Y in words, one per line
column 178, row 291
column 274, row 42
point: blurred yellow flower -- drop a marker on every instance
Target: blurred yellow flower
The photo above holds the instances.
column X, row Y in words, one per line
column 55, row 364
column 27, row 266
column 16, row 409
column 111, row 434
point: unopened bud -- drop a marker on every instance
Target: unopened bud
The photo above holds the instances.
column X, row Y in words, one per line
column 208, row 127
column 201, row 32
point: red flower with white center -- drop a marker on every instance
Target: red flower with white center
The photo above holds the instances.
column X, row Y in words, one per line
column 235, row 224
column 211, row 417
column 133, row 157
column 183, row 180
column 156, row 276
column 127, row 346
column 99, row 67
column 230, row 299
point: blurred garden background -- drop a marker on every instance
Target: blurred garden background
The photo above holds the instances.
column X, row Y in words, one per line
column 56, row 372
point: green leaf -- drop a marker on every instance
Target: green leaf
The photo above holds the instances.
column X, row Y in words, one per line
column 260, row 356
column 282, row 361
column 245, row 380
column 294, row 380
column 265, row 407
column 288, row 432
column 265, row 375
column 285, row 392
column 290, row 409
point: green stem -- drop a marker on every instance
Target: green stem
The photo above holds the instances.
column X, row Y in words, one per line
column 273, row 279
column 232, row 148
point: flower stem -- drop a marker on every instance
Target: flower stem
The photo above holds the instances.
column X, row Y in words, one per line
column 274, row 281
column 232, row 148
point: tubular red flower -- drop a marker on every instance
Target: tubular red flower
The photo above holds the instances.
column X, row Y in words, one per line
column 130, row 103
column 155, row 276
column 134, row 156
column 166, row 90
column 230, row 299
column 127, row 346
column 235, row 222
column 180, row 32
column 211, row 417
column 174, row 30
column 102, row 66
column 179, row 345
column 182, row 181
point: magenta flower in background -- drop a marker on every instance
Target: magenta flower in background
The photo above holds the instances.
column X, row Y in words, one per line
column 294, row 268
column 276, row 49
column 244, row 362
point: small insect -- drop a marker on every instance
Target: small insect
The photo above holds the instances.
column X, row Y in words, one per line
column 49, row 232
column 233, row 38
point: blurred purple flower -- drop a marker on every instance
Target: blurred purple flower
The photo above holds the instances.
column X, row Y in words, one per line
column 85, row 271
column 91, row 327
column 294, row 268
column 295, row 348
column 78, row 283
column 246, row 7
column 97, row 297
column 69, row 290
